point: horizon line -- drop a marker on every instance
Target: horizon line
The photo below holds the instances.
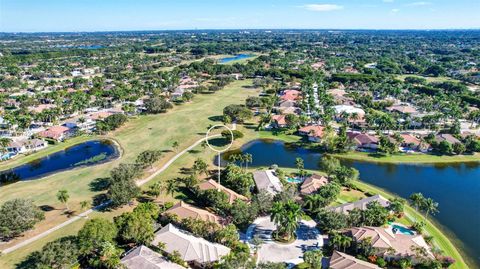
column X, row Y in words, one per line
column 247, row 29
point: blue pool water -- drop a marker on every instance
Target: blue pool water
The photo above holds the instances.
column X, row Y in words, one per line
column 294, row 180
column 235, row 58
column 402, row 230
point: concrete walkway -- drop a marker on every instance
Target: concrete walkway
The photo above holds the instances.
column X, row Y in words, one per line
column 86, row 213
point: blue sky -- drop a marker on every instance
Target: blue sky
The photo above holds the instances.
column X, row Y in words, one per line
column 108, row 15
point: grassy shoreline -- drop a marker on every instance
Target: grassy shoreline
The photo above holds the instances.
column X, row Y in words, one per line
column 419, row 158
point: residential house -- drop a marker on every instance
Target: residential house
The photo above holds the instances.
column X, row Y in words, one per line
column 290, row 95
column 390, row 245
column 212, row 184
column 142, row 257
column 58, row 133
column 177, row 94
column 363, row 140
column 313, row 132
column 403, row 109
column 340, row 260
column 267, row 181
column 312, row 184
column 279, row 121
column 26, row 145
column 194, row 250
column 411, row 142
column 446, row 137
column 184, row 210
column 360, row 204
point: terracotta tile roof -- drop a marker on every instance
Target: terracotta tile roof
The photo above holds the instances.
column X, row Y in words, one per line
column 312, row 184
column 279, row 119
column 184, row 210
column 290, row 95
column 341, row 260
column 212, row 184
column 54, row 132
column 313, row 130
column 384, row 239
column 362, row 139
column 405, row 109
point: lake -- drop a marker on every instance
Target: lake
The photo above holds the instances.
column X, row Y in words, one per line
column 234, row 58
column 83, row 154
column 455, row 187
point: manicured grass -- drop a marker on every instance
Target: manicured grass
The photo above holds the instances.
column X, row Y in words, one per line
column 279, row 136
column 429, row 79
column 419, row 158
column 185, row 123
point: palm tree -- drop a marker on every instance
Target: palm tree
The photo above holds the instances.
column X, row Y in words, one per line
column 300, row 165
column 248, row 159
column 286, row 216
column 156, row 189
column 313, row 203
column 84, row 205
column 345, row 242
column 4, row 142
column 430, row 206
column 62, row 196
column 171, row 187
column 417, row 199
column 175, row 146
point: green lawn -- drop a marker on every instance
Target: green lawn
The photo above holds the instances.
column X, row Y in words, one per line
column 429, row 79
column 408, row 158
column 185, row 123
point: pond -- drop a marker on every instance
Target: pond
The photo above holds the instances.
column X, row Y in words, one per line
column 235, row 58
column 455, row 187
column 84, row 154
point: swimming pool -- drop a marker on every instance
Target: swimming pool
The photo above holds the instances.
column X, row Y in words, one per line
column 295, row 180
column 401, row 229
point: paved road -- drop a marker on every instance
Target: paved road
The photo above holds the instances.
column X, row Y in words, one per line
column 86, row 213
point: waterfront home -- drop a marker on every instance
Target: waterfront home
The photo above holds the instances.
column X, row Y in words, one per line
column 267, row 181
column 402, row 109
column 312, row 184
column 412, row 143
column 196, row 251
column 177, row 94
column 390, row 245
column 26, row 145
column 212, row 184
column 313, row 132
column 58, row 133
column 290, row 95
column 142, row 257
column 279, row 121
column 446, row 137
column 360, row 204
column 183, row 210
column 340, row 260
column 363, row 140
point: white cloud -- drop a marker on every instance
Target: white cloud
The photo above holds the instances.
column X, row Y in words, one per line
column 395, row 10
column 388, row 1
column 322, row 7
column 422, row 3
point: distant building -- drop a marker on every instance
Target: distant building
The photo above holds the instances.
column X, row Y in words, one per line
column 290, row 95
column 142, row 257
column 58, row 133
column 446, row 137
column 313, row 132
column 363, row 141
column 26, row 145
column 279, row 121
column 267, row 181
